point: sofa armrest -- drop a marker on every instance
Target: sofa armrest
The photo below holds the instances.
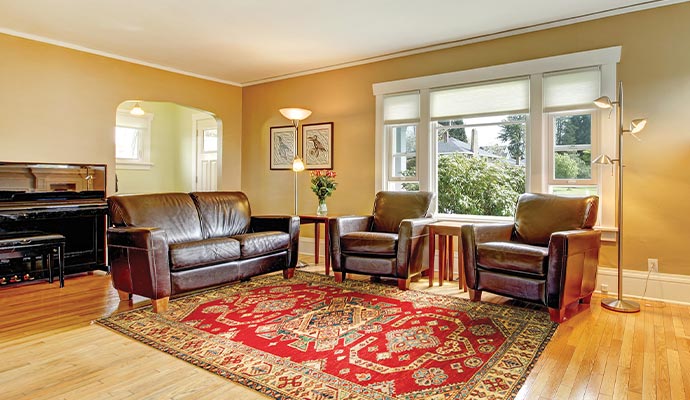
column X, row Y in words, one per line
column 139, row 261
column 471, row 235
column 343, row 225
column 283, row 223
column 413, row 238
column 573, row 264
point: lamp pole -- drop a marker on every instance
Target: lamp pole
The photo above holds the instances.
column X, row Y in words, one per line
column 618, row 304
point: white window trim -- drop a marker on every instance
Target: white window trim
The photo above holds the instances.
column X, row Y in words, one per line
column 606, row 58
column 124, row 118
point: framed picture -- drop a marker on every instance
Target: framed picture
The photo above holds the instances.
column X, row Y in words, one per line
column 317, row 145
column 283, row 146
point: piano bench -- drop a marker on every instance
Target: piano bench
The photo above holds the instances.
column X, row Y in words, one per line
column 32, row 244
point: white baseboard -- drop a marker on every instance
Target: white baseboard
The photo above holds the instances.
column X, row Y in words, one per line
column 671, row 288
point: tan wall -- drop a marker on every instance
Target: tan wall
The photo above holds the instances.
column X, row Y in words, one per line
column 655, row 67
column 58, row 105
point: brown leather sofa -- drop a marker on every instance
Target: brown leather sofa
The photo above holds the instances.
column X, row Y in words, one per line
column 390, row 243
column 161, row 245
column 549, row 255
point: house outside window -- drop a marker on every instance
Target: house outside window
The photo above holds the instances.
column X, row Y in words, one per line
column 133, row 141
column 482, row 137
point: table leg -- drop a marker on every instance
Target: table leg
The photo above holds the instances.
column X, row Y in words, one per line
column 316, row 242
column 327, row 244
column 432, row 255
column 441, row 258
column 451, row 256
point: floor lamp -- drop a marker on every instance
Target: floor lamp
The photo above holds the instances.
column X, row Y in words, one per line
column 618, row 304
column 296, row 115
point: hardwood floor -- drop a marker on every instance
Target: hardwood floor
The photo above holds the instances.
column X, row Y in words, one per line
column 50, row 350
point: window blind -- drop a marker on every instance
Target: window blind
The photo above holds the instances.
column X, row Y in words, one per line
column 401, row 108
column 572, row 88
column 503, row 97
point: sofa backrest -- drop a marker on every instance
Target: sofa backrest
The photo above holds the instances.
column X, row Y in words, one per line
column 223, row 213
column 173, row 212
column 392, row 207
column 539, row 215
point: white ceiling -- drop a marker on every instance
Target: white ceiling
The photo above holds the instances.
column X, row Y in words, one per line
column 249, row 41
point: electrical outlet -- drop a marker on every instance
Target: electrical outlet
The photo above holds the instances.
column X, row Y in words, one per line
column 604, row 288
column 653, row 264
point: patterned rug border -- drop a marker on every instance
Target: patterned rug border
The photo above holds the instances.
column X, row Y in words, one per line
column 417, row 297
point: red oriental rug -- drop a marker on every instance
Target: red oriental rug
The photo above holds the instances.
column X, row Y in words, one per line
column 310, row 338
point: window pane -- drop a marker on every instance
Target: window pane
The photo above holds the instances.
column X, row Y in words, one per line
column 126, row 143
column 573, row 147
column 481, row 165
column 210, row 140
column 404, row 150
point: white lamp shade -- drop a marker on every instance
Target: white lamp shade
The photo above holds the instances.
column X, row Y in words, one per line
column 603, row 102
column 137, row 110
column 603, row 160
column 297, row 164
column 295, row 114
column 637, row 125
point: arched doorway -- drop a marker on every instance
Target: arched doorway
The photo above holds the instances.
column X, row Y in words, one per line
column 166, row 148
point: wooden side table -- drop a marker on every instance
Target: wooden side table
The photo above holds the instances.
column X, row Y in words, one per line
column 316, row 220
column 445, row 230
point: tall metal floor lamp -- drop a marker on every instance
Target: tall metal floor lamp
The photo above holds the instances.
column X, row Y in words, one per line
column 619, row 304
column 296, row 115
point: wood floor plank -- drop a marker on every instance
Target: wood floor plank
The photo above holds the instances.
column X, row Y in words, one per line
column 597, row 354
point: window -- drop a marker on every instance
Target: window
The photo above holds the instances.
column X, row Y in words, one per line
column 133, row 141
column 480, row 138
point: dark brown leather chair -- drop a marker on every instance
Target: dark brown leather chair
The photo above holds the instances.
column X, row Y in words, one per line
column 390, row 243
column 549, row 255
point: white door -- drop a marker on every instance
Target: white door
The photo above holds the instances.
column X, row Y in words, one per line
column 206, row 155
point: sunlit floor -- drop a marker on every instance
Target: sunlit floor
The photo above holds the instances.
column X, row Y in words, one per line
column 50, row 350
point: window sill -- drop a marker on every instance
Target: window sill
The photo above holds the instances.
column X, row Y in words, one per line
column 133, row 165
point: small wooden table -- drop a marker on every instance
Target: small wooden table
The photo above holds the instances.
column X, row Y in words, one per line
column 445, row 230
column 316, row 220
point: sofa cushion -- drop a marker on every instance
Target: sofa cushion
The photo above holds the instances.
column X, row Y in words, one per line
column 392, row 207
column 223, row 214
column 376, row 243
column 539, row 215
column 512, row 256
column 173, row 212
column 203, row 252
column 259, row 243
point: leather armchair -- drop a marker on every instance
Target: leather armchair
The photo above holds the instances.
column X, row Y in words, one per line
column 392, row 242
column 549, row 255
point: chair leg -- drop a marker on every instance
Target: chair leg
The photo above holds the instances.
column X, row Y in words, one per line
column 160, row 305
column 404, row 284
column 339, row 276
column 124, row 296
column 288, row 273
column 557, row 314
column 586, row 299
column 475, row 295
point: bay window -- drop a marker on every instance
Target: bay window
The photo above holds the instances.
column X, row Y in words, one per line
column 480, row 138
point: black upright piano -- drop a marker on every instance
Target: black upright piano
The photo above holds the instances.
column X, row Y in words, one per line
column 66, row 199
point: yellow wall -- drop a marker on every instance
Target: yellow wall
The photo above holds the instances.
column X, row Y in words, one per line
column 655, row 66
column 58, row 105
column 172, row 154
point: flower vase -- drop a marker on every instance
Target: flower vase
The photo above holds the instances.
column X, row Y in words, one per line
column 322, row 209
